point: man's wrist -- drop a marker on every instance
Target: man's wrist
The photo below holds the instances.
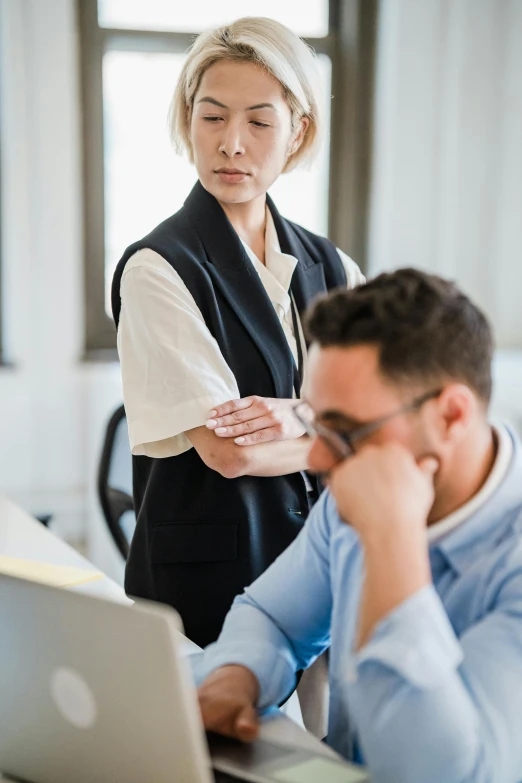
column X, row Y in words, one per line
column 243, row 677
column 399, row 555
column 397, row 536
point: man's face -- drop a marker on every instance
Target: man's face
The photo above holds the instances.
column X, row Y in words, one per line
column 346, row 390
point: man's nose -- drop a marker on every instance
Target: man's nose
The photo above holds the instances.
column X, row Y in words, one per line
column 232, row 144
column 320, row 458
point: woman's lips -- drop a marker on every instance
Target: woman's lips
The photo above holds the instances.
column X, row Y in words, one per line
column 231, row 176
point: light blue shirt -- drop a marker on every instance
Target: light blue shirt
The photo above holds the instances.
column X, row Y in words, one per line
column 436, row 694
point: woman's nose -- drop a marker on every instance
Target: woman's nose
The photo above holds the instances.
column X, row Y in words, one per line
column 231, row 143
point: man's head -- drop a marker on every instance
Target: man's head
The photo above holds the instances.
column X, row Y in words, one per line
column 405, row 337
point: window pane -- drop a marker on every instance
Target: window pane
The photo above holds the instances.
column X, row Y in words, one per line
column 145, row 181
column 308, row 19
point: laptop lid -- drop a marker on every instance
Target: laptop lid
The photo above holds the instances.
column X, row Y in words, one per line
column 92, row 690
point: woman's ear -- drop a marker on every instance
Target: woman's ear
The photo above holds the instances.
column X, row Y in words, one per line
column 298, row 135
column 188, row 116
column 188, row 124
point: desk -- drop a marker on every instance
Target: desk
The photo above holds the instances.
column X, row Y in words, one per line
column 23, row 536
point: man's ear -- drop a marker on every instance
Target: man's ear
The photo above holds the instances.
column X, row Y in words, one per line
column 455, row 408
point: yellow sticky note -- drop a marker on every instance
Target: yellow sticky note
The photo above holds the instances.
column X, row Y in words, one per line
column 321, row 769
column 46, row 573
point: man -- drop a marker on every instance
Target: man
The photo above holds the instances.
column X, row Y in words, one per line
column 410, row 566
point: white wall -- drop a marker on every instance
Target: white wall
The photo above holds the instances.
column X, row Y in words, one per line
column 54, row 407
column 447, row 185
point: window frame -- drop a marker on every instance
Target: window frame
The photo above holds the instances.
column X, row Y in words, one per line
column 350, row 45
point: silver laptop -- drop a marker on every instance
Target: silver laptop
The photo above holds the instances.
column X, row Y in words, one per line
column 97, row 692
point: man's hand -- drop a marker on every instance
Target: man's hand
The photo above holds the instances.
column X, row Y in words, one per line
column 386, row 495
column 383, row 489
column 227, row 700
column 255, row 419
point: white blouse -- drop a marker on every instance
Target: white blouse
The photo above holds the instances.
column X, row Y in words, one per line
column 173, row 371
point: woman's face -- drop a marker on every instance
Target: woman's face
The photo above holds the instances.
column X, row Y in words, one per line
column 241, row 131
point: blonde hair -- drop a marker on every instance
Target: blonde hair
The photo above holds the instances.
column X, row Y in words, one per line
column 273, row 47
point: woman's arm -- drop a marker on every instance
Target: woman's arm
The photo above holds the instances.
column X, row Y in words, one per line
column 167, row 397
column 263, row 459
column 173, row 371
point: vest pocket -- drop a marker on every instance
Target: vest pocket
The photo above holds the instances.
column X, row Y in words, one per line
column 194, row 542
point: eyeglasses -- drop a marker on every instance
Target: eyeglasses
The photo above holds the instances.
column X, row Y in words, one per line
column 341, row 444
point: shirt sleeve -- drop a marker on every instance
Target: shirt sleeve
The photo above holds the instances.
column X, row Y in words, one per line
column 281, row 623
column 173, row 371
column 354, row 276
column 430, row 707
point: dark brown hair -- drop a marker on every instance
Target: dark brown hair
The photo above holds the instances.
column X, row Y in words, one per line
column 425, row 329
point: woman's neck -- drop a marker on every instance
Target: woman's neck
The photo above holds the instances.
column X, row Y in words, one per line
column 249, row 220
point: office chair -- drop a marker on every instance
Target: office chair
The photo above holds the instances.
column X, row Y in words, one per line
column 115, row 482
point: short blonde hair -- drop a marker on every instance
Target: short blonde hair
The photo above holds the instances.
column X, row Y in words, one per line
column 275, row 48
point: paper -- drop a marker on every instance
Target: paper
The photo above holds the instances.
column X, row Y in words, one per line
column 46, row 573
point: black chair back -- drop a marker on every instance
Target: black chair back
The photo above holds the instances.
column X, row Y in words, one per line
column 115, row 482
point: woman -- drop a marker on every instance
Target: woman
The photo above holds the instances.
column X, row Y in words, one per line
column 208, row 310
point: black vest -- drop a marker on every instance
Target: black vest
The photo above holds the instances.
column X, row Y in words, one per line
column 201, row 538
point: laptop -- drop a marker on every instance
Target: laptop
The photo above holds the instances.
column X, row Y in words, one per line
column 98, row 692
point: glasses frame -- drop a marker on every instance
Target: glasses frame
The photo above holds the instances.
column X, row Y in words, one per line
column 342, row 444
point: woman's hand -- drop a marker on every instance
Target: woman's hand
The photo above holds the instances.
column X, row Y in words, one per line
column 255, row 419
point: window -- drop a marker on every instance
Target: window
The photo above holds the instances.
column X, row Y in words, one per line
column 132, row 54
column 2, row 357
column 2, row 353
column 206, row 14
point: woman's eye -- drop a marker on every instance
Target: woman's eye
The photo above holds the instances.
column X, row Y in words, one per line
column 259, row 124
column 212, row 119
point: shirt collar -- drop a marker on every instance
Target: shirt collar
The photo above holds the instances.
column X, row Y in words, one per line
column 504, row 453
column 476, row 525
column 277, row 271
column 282, row 265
